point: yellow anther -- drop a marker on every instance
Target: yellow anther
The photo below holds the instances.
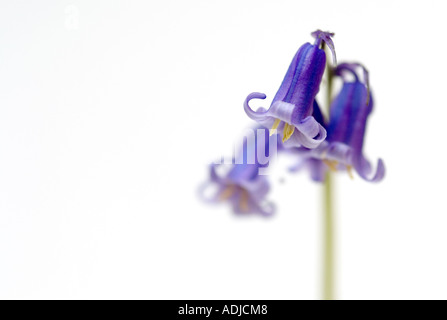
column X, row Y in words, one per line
column 349, row 169
column 226, row 193
column 243, row 204
column 288, row 131
column 274, row 127
column 332, row 164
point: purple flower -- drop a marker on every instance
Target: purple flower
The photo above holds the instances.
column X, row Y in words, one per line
column 242, row 185
column 343, row 149
column 292, row 107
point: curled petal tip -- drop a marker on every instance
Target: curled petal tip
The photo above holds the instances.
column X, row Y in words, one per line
column 299, row 139
column 254, row 115
column 256, row 95
column 363, row 168
column 310, row 133
column 380, row 171
column 203, row 192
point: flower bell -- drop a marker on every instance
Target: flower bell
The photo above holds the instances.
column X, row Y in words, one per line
column 292, row 107
column 242, row 185
column 349, row 113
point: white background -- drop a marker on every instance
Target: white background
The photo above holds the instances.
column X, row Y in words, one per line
column 110, row 112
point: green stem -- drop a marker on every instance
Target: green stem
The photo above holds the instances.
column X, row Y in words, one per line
column 328, row 243
column 328, row 215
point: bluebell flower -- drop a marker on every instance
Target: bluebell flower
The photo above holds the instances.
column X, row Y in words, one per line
column 343, row 149
column 292, row 107
column 243, row 185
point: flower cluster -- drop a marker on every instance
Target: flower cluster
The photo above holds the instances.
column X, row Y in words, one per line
column 320, row 143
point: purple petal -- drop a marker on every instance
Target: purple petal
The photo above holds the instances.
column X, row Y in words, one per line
column 363, row 168
column 339, row 152
column 302, row 81
column 265, row 208
column 351, row 67
column 254, row 115
column 318, row 115
column 317, row 170
column 278, row 110
column 257, row 188
column 309, row 133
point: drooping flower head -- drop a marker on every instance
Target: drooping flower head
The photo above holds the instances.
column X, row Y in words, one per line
column 349, row 111
column 243, row 185
column 292, row 107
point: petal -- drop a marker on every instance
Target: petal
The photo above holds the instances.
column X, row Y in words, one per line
column 351, row 67
column 215, row 182
column 257, row 188
column 309, row 127
column 317, row 170
column 278, row 110
column 251, row 198
column 261, row 115
column 318, row 115
column 309, row 134
column 213, row 174
column 349, row 114
column 363, row 168
column 266, row 208
column 339, row 152
column 205, row 189
column 339, row 128
column 292, row 73
column 302, row 81
column 254, row 115
column 358, row 123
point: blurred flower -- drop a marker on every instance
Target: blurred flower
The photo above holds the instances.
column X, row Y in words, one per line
column 242, row 185
column 343, row 149
column 291, row 108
